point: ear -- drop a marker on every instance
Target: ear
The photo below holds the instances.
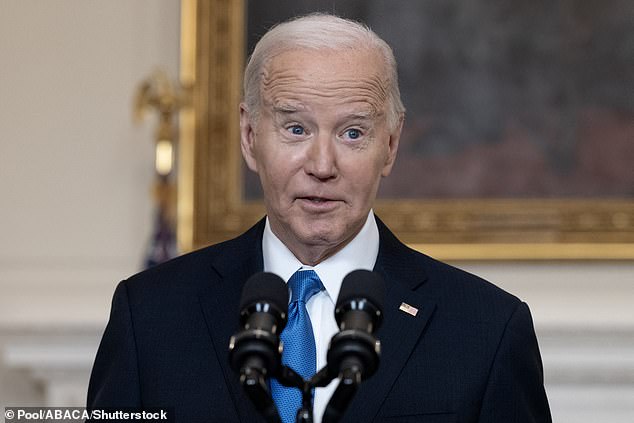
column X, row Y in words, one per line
column 247, row 138
column 392, row 147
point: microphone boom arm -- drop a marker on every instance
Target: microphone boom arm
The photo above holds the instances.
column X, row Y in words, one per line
column 350, row 379
column 257, row 389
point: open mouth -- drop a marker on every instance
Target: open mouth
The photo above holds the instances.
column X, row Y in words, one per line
column 318, row 203
column 317, row 199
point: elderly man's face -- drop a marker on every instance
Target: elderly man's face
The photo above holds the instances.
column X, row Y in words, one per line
column 320, row 146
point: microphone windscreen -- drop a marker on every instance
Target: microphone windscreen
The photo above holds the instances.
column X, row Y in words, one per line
column 265, row 287
column 362, row 284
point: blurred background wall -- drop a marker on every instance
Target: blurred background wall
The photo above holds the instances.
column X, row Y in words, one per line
column 75, row 178
column 76, row 214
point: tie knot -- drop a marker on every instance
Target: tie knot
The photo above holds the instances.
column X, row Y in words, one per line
column 304, row 284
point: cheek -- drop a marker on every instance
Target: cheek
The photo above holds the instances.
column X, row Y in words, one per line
column 365, row 168
column 276, row 169
column 363, row 183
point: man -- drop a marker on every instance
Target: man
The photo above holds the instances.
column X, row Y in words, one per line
column 320, row 125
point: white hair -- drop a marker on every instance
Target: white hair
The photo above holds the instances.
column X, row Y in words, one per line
column 320, row 31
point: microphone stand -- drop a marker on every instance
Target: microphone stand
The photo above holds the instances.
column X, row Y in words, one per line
column 290, row 378
column 340, row 399
column 254, row 383
column 350, row 378
column 257, row 389
column 353, row 356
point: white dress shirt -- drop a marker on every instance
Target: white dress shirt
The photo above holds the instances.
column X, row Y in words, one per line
column 360, row 253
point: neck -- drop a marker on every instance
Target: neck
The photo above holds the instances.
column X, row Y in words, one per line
column 311, row 254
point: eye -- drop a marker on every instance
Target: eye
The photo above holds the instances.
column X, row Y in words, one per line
column 296, row 130
column 353, row 133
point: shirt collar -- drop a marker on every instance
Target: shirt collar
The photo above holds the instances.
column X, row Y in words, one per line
column 360, row 253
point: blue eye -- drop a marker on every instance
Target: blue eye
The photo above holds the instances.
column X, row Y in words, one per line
column 353, row 133
column 296, row 130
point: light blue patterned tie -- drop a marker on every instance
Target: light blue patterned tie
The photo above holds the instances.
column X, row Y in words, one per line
column 299, row 343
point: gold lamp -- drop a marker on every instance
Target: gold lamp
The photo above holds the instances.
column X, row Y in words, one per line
column 158, row 94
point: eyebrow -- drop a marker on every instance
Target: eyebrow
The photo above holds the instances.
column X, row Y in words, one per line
column 287, row 108
column 363, row 115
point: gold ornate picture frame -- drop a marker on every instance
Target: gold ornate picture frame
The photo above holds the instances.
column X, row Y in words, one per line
column 211, row 207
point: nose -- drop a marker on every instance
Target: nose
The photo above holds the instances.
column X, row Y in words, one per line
column 321, row 160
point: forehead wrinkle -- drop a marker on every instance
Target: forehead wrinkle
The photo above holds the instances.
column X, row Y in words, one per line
column 274, row 74
column 374, row 84
column 281, row 92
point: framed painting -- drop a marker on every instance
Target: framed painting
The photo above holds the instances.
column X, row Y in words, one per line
column 519, row 135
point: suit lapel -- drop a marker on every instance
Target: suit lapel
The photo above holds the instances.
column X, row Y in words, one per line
column 400, row 332
column 220, row 306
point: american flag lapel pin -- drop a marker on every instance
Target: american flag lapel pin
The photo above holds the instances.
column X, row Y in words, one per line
column 406, row 308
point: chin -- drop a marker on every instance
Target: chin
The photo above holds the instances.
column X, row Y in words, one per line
column 322, row 234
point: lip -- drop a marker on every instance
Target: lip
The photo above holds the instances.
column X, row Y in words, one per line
column 317, row 203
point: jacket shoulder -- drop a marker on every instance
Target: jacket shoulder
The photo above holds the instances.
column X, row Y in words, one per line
column 190, row 271
column 448, row 283
column 459, row 283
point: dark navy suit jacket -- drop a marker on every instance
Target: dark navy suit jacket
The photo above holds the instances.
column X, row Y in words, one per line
column 469, row 355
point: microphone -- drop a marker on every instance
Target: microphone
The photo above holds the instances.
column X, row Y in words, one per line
column 359, row 312
column 353, row 354
column 255, row 351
